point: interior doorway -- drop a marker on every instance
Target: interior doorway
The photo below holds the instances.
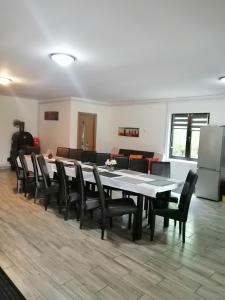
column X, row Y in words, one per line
column 86, row 131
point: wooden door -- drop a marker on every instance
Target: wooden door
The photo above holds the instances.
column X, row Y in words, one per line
column 86, row 131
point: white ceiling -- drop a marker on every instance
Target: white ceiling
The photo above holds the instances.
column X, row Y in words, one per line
column 126, row 49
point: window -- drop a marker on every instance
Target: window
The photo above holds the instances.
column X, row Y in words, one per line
column 185, row 133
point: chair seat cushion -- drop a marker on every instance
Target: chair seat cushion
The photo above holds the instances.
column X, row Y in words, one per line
column 92, row 203
column 170, row 213
column 118, row 207
column 74, row 196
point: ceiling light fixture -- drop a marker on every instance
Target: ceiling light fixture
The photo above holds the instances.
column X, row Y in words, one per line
column 222, row 79
column 63, row 59
column 5, row 80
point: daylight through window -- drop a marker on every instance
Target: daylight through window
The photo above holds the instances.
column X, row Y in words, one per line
column 185, row 133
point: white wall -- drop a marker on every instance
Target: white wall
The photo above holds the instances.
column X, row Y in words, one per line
column 64, row 132
column 55, row 133
column 12, row 108
column 153, row 119
column 214, row 106
column 150, row 118
column 103, row 123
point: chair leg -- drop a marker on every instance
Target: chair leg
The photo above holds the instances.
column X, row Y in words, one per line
column 35, row 194
column 152, row 226
column 102, row 229
column 66, row 215
column 47, row 201
column 110, row 222
column 81, row 218
column 129, row 221
column 180, row 227
column 134, row 228
column 146, row 207
column 183, row 232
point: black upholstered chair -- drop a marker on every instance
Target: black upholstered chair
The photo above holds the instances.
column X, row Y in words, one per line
column 101, row 158
column 88, row 156
column 75, row 153
column 178, row 214
column 38, row 179
column 19, row 174
column 139, row 165
column 88, row 200
column 160, row 168
column 67, row 196
column 122, row 162
column 51, row 186
column 28, row 176
column 62, row 152
column 113, row 208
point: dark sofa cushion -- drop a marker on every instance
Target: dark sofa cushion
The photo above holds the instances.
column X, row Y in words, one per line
column 128, row 152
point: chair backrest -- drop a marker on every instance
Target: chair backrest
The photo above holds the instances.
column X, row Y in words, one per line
column 122, row 162
column 44, row 171
column 88, row 156
column 63, row 181
column 101, row 158
column 81, row 185
column 16, row 166
column 139, row 165
column 23, row 164
column 35, row 167
column 62, row 152
column 186, row 194
column 75, row 154
column 100, row 191
column 160, row 168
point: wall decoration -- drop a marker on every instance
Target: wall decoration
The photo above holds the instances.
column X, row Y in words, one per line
column 128, row 131
column 52, row 115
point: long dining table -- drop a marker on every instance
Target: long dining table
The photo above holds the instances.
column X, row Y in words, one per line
column 126, row 180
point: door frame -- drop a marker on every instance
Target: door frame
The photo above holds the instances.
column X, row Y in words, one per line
column 94, row 129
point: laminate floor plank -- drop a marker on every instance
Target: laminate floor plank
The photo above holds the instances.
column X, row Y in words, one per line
column 50, row 259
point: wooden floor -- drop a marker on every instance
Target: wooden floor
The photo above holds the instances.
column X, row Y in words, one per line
column 48, row 258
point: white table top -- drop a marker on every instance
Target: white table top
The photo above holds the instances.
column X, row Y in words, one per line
column 148, row 185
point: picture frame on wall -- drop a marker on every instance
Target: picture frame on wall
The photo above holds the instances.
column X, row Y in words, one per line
column 128, row 131
column 51, row 115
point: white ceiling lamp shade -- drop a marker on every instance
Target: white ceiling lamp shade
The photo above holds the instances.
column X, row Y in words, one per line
column 5, row 80
column 222, row 79
column 63, row 59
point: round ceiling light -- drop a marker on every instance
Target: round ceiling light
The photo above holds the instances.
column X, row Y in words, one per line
column 63, row 59
column 222, row 79
column 5, row 80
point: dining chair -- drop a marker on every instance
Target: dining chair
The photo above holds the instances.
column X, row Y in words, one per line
column 113, row 208
column 178, row 214
column 75, row 153
column 28, row 176
column 51, row 186
column 62, row 152
column 101, row 158
column 38, row 179
column 162, row 200
column 122, row 162
column 88, row 156
column 67, row 195
column 88, row 200
column 160, row 168
column 139, row 165
column 19, row 174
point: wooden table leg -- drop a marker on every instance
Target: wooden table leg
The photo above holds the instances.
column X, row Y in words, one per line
column 139, row 217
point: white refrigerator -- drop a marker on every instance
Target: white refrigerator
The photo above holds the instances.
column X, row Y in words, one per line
column 211, row 162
